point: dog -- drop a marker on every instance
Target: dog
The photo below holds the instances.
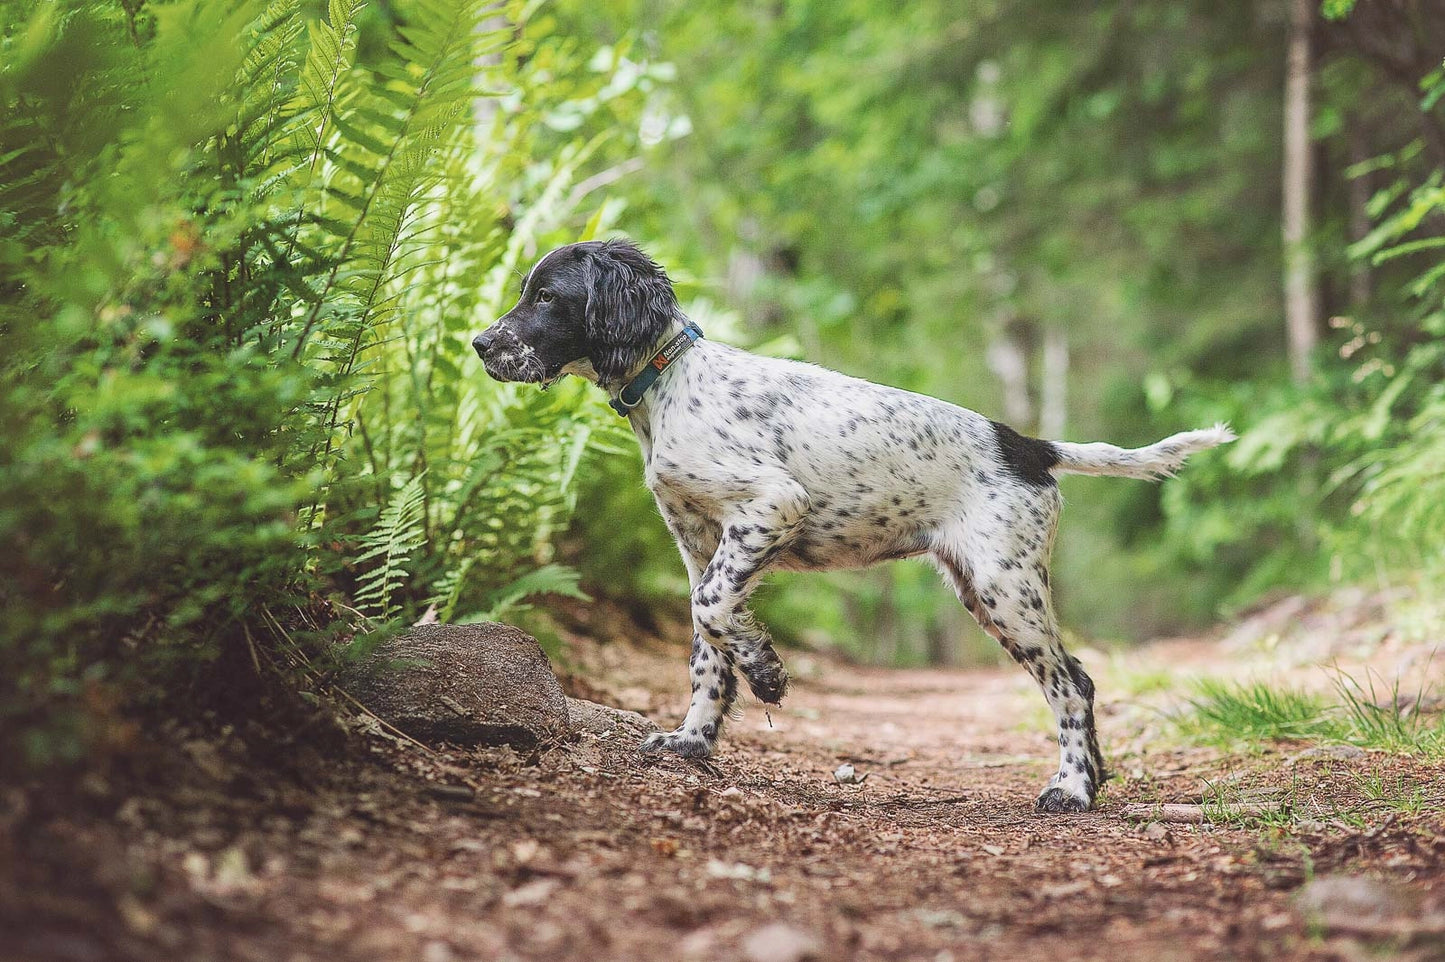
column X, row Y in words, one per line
column 759, row 463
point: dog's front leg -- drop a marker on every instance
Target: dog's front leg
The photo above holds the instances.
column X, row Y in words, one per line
column 714, row 688
column 725, row 635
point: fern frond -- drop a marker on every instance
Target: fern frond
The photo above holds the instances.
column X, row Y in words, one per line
column 551, row 579
column 398, row 532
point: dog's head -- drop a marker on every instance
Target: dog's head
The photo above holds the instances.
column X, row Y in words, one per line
column 596, row 309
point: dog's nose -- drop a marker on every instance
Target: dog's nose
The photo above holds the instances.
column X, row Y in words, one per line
column 483, row 343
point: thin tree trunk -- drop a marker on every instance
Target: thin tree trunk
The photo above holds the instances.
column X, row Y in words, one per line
column 1359, row 197
column 1009, row 361
column 943, row 635
column 1054, row 389
column 1301, row 290
column 1301, row 287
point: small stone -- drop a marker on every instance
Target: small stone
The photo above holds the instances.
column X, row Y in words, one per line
column 846, row 774
column 1333, row 753
column 1345, row 903
column 738, row 871
column 533, row 893
column 941, row 918
column 780, row 942
column 604, row 720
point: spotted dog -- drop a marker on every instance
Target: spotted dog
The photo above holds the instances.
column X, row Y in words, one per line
column 758, row 463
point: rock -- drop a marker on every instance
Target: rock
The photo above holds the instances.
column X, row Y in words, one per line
column 1333, row 753
column 847, row 775
column 780, row 942
column 533, row 893
column 588, row 716
column 1342, row 903
column 487, row 684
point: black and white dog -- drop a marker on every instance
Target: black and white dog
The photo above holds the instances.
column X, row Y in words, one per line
column 759, row 463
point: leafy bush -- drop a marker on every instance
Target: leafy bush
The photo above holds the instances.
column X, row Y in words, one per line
column 243, row 248
column 1345, row 477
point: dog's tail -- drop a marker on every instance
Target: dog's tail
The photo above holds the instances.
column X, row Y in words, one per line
column 1157, row 461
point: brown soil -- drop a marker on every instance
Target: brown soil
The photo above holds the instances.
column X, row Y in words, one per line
column 376, row 849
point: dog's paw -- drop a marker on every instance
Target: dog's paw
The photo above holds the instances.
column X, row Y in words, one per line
column 680, row 742
column 767, row 678
column 1059, row 799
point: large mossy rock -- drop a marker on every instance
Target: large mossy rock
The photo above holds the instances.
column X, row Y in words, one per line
column 486, row 684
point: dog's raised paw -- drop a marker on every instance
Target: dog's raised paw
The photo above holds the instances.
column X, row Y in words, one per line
column 1056, row 800
column 679, row 742
column 768, row 681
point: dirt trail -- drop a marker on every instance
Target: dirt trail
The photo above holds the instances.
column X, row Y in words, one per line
column 589, row 852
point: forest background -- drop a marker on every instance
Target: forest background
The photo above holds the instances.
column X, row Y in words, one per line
column 243, row 247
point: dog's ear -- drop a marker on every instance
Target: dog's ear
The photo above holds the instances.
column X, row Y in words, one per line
column 630, row 302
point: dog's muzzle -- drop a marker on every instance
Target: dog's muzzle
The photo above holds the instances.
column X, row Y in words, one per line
column 483, row 342
column 504, row 357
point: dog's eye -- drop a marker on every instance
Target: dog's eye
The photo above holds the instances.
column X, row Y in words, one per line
column 545, row 296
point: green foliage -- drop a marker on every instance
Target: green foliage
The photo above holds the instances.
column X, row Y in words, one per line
column 243, row 247
column 389, row 546
column 909, row 190
column 1345, row 477
column 1361, row 714
column 1258, row 712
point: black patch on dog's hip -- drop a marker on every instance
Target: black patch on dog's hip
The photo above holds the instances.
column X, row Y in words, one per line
column 1028, row 459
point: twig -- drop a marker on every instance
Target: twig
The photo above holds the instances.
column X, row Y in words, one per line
column 380, row 721
column 251, row 644
column 1180, row 813
column 904, row 801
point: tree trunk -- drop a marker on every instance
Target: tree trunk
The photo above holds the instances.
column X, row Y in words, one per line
column 1301, row 291
column 1008, row 358
column 1359, row 194
column 1054, row 389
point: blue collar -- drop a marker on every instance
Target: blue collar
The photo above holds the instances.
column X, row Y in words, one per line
column 631, row 394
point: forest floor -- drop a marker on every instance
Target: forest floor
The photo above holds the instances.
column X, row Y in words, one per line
column 222, row 845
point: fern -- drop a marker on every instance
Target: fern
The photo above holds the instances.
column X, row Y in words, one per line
column 398, row 532
column 242, row 248
column 547, row 580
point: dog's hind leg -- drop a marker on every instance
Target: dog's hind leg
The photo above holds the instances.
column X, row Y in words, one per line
column 1003, row 581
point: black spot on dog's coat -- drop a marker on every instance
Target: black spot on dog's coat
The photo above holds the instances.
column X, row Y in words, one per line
column 1028, row 459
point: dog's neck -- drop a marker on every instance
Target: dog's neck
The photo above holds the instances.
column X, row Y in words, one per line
column 642, row 417
column 582, row 367
column 674, row 327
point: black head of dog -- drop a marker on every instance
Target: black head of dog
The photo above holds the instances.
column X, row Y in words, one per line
column 602, row 305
